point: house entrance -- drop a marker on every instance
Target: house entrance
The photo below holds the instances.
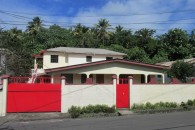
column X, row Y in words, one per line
column 122, row 93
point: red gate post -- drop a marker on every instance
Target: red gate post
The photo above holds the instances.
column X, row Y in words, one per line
column 3, row 102
column 130, row 78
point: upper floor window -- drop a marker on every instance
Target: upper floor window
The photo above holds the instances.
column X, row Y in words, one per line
column 109, row 58
column 89, row 58
column 54, row 58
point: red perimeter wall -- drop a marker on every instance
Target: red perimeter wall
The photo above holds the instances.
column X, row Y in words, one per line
column 24, row 97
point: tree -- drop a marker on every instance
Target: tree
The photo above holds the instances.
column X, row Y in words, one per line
column 18, row 59
column 176, row 44
column 122, row 37
column 138, row 54
column 102, row 33
column 144, row 36
column 34, row 26
column 181, row 70
column 81, row 33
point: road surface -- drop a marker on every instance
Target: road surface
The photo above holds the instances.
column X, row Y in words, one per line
column 171, row 121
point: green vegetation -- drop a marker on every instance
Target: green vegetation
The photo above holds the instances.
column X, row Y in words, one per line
column 75, row 111
column 143, row 45
column 164, row 105
column 181, row 70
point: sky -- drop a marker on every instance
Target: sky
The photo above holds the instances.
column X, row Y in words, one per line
column 160, row 15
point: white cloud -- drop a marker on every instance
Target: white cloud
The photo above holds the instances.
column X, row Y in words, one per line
column 136, row 7
column 108, row 11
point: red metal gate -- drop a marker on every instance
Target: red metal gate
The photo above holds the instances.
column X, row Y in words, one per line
column 122, row 94
column 38, row 97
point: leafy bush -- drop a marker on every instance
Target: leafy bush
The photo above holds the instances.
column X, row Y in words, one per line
column 149, row 106
column 163, row 105
column 190, row 103
column 181, row 70
column 76, row 111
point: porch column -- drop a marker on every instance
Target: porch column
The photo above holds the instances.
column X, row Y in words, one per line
column 87, row 75
column 3, row 98
column 117, row 78
column 52, row 79
column 163, row 78
column 146, row 78
column 94, row 78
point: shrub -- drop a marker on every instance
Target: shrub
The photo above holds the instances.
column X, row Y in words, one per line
column 74, row 111
column 190, row 103
column 160, row 105
column 194, row 102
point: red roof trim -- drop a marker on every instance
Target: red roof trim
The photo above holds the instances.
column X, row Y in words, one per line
column 104, row 62
column 39, row 54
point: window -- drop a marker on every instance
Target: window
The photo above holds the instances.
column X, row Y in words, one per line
column 83, row 78
column 89, row 58
column 54, row 58
column 109, row 58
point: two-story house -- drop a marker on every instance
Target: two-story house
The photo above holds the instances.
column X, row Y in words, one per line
column 81, row 65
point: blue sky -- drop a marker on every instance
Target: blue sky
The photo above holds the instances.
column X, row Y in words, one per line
column 132, row 14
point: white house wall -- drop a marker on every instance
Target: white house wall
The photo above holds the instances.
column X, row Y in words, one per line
column 72, row 59
column 83, row 95
column 47, row 57
column 161, row 93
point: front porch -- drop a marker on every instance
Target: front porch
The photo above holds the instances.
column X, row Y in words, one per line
column 101, row 72
column 72, row 78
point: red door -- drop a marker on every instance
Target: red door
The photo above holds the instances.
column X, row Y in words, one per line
column 122, row 94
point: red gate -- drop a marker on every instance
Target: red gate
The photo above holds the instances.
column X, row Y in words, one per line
column 122, row 94
column 38, row 97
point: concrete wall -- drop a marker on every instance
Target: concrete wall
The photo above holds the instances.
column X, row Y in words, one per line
column 83, row 95
column 3, row 97
column 154, row 93
column 71, row 59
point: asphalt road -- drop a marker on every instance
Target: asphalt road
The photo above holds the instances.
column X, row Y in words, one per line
column 171, row 121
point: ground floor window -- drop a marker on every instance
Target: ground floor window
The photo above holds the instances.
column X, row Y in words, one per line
column 83, row 78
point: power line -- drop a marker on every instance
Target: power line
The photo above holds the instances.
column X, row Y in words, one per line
column 110, row 15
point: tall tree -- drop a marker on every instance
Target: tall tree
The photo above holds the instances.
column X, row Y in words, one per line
column 144, row 36
column 122, row 37
column 34, row 26
column 81, row 33
column 102, row 32
column 176, row 44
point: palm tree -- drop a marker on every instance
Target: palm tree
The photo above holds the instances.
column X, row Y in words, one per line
column 144, row 35
column 34, row 26
column 82, row 33
column 102, row 28
column 119, row 28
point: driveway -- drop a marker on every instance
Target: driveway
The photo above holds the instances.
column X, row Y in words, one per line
column 171, row 121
